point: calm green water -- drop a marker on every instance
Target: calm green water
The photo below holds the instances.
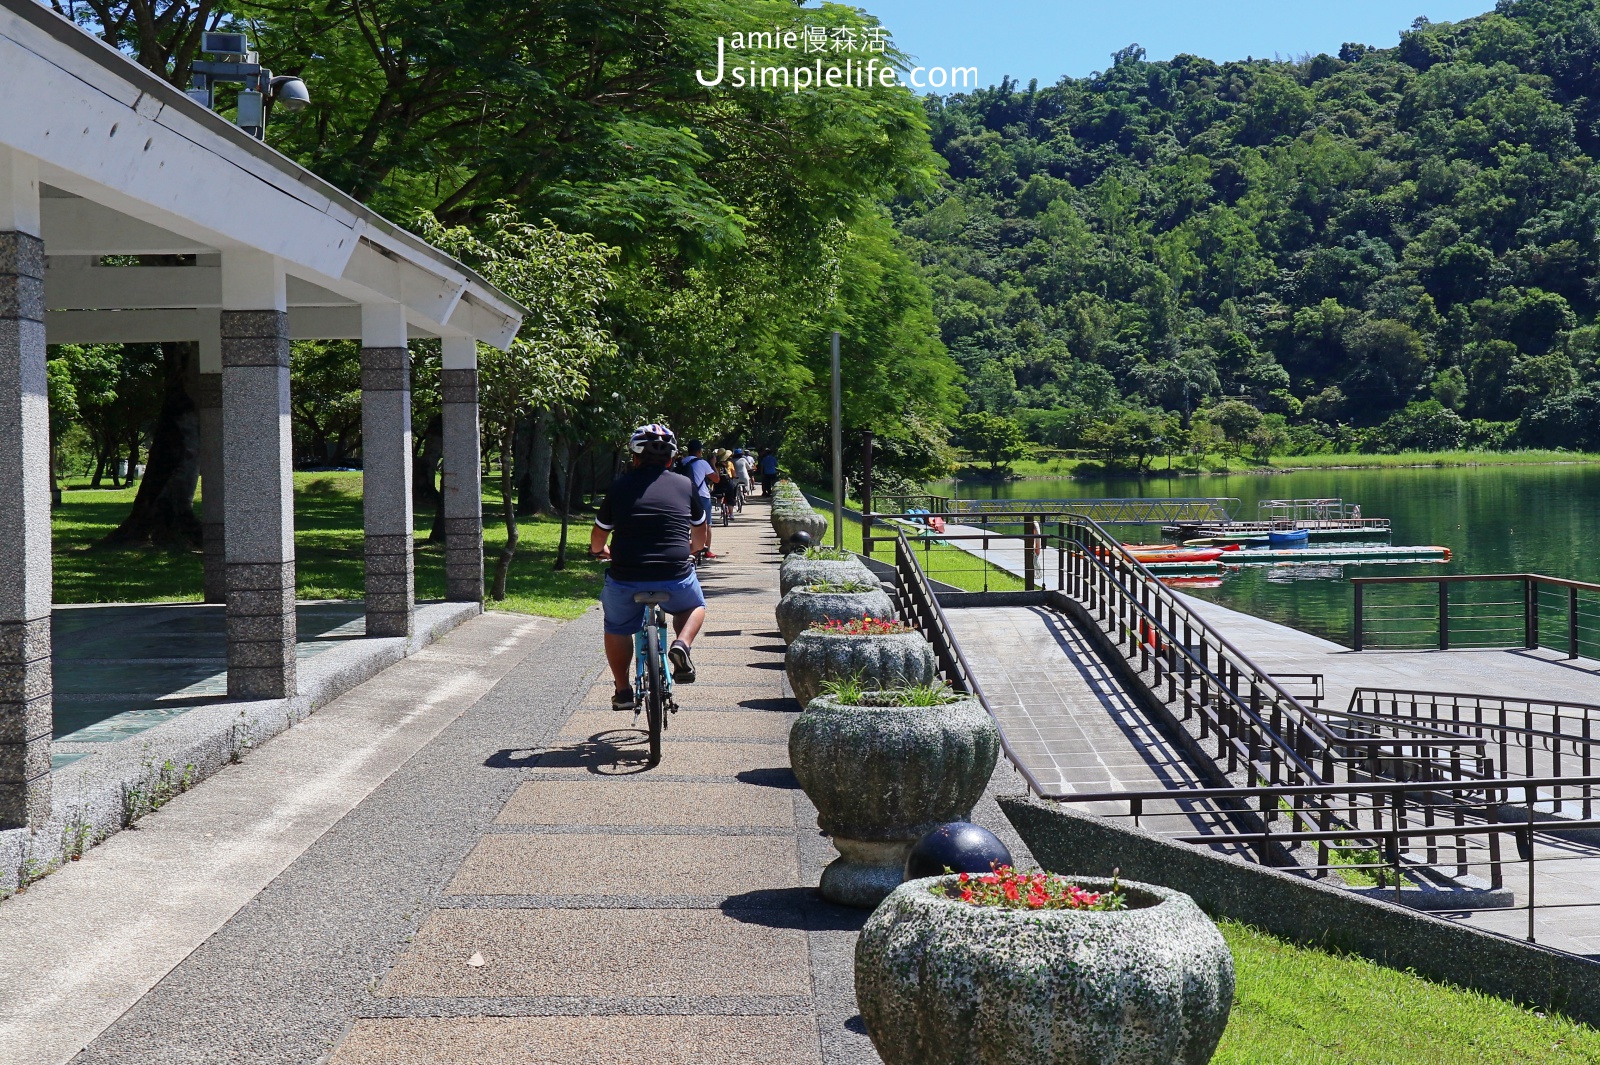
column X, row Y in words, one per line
column 1496, row 519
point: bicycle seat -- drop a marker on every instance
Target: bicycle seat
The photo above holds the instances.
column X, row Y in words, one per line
column 651, row 598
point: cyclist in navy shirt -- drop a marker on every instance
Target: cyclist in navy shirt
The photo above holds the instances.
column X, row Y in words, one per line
column 655, row 521
column 704, row 476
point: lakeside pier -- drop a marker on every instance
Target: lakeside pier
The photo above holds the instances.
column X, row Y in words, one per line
column 1124, row 698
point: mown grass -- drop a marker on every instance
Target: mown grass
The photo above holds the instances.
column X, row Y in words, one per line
column 328, row 549
column 941, row 562
column 1214, row 464
column 1297, row 1006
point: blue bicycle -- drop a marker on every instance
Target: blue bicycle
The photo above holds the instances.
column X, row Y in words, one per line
column 652, row 676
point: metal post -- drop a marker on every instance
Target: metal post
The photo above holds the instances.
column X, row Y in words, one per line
column 1355, row 637
column 1572, row 626
column 866, row 492
column 1444, row 616
column 1529, row 793
column 1030, row 565
column 1061, row 556
column 838, row 452
column 1530, row 599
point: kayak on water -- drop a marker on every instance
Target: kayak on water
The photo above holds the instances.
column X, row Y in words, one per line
column 1148, row 553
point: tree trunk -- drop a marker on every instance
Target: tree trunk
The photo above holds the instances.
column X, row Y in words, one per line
column 425, row 469
column 561, row 475
column 535, row 483
column 163, row 510
column 508, row 511
column 566, row 505
column 436, row 534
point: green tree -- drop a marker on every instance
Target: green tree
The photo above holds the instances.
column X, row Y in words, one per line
column 1237, row 420
column 993, row 438
column 561, row 278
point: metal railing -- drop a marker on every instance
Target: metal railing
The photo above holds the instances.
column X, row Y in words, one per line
column 1526, row 610
column 1519, row 738
column 1396, row 835
column 920, row 607
column 1256, row 725
column 1397, row 797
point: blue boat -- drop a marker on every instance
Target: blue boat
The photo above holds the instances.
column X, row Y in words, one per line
column 1287, row 538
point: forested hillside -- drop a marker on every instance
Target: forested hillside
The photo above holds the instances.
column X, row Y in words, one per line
column 1387, row 249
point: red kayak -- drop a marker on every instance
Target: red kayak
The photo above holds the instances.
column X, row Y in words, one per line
column 1161, row 553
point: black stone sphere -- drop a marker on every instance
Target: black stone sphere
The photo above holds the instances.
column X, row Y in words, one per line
column 959, row 846
column 799, row 542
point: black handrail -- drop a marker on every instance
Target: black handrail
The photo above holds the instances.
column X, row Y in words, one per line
column 1528, row 605
column 926, row 614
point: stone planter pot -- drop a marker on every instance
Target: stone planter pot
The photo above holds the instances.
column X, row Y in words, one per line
column 883, row 776
column 903, row 660
column 798, row 610
column 798, row 571
column 942, row 982
column 788, row 522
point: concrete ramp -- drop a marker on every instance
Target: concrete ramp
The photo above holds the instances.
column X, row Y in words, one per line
column 1068, row 718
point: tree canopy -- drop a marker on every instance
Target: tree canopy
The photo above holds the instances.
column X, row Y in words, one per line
column 1331, row 238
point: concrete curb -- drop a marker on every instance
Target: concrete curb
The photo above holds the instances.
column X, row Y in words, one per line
column 109, row 789
column 1304, row 911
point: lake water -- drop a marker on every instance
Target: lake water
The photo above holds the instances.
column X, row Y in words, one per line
column 1495, row 519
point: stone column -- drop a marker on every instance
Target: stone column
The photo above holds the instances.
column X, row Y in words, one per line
column 462, row 482
column 386, row 469
column 208, row 398
column 258, row 499
column 25, row 571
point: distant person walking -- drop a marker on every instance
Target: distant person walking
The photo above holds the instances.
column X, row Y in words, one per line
column 768, row 468
column 704, row 478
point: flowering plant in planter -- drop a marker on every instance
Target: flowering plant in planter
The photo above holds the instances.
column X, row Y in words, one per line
column 862, row 626
column 1013, row 890
column 842, row 597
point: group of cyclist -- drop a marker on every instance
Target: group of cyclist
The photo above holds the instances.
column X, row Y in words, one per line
column 654, row 523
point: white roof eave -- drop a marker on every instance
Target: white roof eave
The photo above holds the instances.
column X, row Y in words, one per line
column 108, row 130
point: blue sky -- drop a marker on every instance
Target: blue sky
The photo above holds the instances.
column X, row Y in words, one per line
column 1045, row 39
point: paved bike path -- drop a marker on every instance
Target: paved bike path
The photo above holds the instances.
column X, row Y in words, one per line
column 523, row 890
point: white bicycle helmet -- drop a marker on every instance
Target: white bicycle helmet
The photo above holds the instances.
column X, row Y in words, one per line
column 653, row 439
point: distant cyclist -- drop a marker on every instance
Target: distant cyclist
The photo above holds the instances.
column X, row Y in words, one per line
column 726, row 492
column 768, row 468
column 742, row 465
column 655, row 521
column 704, row 478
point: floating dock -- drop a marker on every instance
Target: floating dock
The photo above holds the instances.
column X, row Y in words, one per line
column 1264, row 556
column 1320, row 519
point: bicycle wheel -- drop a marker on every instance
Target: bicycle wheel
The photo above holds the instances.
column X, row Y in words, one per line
column 655, row 699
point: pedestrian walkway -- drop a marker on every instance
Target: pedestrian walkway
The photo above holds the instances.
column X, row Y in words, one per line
column 520, row 889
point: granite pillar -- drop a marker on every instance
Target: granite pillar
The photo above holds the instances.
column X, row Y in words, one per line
column 462, row 482
column 386, row 470
column 25, row 570
column 258, row 501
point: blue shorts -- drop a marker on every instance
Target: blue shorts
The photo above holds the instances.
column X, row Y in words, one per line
column 624, row 617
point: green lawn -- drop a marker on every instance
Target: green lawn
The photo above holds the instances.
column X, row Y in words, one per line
column 941, row 562
column 328, row 548
column 1305, row 1007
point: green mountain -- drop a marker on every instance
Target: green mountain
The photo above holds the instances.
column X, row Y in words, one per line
column 1388, row 248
